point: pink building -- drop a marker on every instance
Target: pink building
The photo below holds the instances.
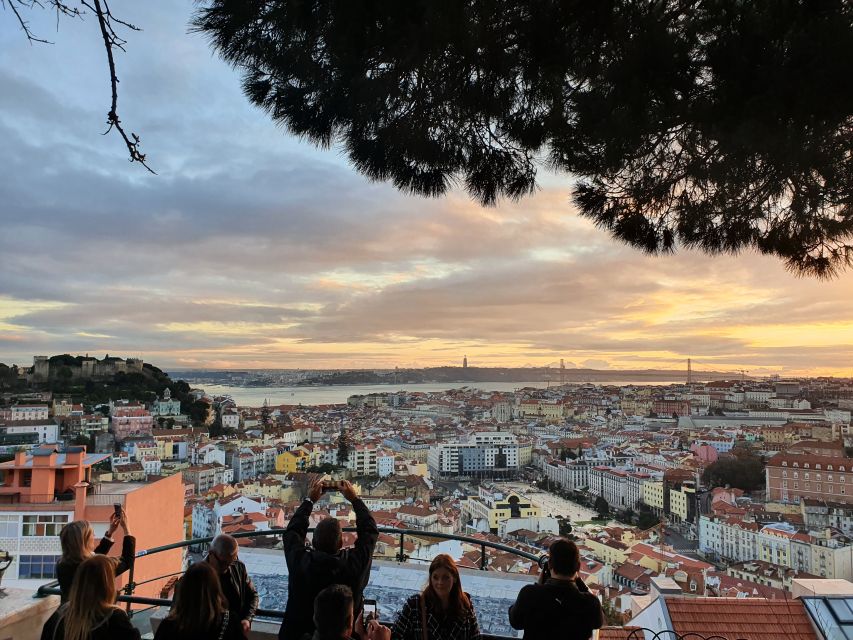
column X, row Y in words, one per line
column 705, row 452
column 131, row 421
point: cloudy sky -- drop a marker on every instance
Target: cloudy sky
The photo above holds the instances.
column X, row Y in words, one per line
column 254, row 249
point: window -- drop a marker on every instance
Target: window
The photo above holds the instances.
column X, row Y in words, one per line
column 8, row 526
column 796, row 464
column 806, row 465
column 817, row 466
column 784, row 474
column 796, row 474
column 829, row 467
column 44, row 525
column 807, row 476
column 841, row 468
column 784, row 463
column 37, row 566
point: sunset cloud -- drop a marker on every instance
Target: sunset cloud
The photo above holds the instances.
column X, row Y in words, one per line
column 253, row 249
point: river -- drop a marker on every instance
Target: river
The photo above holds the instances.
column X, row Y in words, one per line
column 338, row 394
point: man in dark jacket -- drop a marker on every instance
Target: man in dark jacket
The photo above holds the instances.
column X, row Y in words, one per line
column 236, row 584
column 560, row 605
column 313, row 569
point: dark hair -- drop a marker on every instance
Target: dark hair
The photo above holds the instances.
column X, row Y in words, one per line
column 199, row 602
column 333, row 612
column 564, row 557
column 458, row 602
column 327, row 535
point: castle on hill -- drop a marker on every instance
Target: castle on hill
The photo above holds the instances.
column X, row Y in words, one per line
column 84, row 367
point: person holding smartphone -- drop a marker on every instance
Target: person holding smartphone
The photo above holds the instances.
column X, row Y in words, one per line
column 78, row 544
column 313, row 568
column 560, row 594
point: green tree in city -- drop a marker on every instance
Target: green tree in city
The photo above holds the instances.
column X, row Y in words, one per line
column 742, row 469
column 602, row 507
column 343, row 446
column 266, row 416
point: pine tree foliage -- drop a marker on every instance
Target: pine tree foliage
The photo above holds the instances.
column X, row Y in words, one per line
column 723, row 125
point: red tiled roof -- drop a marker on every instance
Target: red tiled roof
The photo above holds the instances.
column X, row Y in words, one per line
column 619, row 633
column 747, row 619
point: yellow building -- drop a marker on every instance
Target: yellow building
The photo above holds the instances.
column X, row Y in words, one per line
column 679, row 499
column 609, row 551
column 267, row 487
column 292, row 461
column 525, row 454
column 493, row 506
column 653, row 494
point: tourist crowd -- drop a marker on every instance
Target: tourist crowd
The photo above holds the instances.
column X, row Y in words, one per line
column 216, row 600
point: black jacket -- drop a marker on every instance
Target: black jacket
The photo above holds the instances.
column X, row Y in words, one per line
column 311, row 571
column 116, row 626
column 556, row 610
column 66, row 569
column 242, row 595
column 168, row 630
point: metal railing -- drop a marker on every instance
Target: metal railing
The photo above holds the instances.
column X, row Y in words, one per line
column 130, row 598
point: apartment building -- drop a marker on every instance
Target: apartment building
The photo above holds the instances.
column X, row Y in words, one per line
column 205, row 476
column 792, row 476
column 43, row 491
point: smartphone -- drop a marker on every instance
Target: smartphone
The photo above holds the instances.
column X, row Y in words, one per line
column 331, row 485
column 117, row 507
column 370, row 612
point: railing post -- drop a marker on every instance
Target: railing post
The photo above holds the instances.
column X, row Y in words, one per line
column 483, row 559
column 128, row 589
column 401, row 557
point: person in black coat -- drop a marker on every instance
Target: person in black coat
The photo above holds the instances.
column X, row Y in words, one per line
column 91, row 612
column 560, row 606
column 200, row 609
column 78, row 544
column 237, row 586
column 313, row 569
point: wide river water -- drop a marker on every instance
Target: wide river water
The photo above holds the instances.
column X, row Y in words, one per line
column 338, row 394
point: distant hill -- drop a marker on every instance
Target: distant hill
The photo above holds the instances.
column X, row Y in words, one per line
column 266, row 377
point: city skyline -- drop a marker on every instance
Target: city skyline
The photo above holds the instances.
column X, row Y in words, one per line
column 251, row 249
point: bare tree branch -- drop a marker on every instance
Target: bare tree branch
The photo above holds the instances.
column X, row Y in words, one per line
column 24, row 27
column 111, row 40
column 106, row 21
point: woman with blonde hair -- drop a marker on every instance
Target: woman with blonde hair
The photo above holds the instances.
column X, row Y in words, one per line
column 442, row 611
column 91, row 612
column 78, row 544
column 200, row 609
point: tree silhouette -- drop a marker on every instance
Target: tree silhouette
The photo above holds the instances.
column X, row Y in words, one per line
column 722, row 125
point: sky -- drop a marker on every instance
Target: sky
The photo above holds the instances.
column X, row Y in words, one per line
column 254, row 249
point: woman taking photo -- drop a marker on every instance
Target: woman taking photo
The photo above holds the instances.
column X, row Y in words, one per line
column 199, row 610
column 78, row 544
column 442, row 611
column 91, row 612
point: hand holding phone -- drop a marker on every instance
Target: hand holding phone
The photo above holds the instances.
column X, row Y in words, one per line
column 370, row 612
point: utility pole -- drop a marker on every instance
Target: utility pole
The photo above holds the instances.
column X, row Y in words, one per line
column 689, row 372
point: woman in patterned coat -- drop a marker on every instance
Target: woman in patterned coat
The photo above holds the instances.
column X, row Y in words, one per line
column 442, row 611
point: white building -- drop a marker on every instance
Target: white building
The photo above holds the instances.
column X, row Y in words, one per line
column 384, row 465
column 29, row 412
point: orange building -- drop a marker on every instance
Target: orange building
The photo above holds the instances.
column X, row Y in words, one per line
column 42, row 491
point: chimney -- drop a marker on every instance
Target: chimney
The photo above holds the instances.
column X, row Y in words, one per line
column 80, row 500
column 74, row 455
column 20, row 458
